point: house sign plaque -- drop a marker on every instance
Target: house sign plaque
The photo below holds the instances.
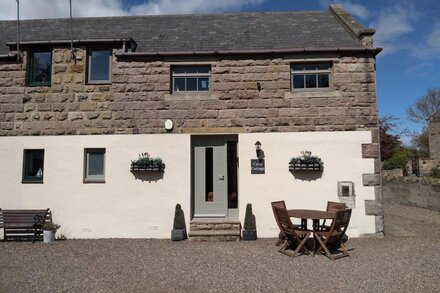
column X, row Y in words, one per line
column 258, row 167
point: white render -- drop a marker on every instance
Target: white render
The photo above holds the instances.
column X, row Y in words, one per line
column 126, row 207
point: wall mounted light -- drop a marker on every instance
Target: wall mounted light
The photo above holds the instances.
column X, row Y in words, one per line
column 259, row 151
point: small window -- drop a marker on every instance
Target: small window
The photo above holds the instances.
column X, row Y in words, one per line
column 94, row 164
column 40, row 68
column 33, row 166
column 191, row 78
column 99, row 66
column 311, row 75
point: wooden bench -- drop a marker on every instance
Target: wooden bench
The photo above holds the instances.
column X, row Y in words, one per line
column 24, row 224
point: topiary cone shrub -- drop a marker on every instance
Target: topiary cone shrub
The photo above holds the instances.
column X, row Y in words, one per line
column 249, row 227
column 179, row 218
column 179, row 227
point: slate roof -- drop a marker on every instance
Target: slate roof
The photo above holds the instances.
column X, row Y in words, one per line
column 199, row 32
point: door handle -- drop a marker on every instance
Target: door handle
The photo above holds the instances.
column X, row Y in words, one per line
column 221, row 177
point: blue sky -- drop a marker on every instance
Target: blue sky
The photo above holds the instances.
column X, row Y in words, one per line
column 407, row 30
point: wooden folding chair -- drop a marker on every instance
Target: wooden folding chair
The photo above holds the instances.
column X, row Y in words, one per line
column 332, row 207
column 334, row 235
column 294, row 238
column 281, row 236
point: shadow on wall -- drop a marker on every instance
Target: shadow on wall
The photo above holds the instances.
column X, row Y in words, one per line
column 149, row 176
column 307, row 175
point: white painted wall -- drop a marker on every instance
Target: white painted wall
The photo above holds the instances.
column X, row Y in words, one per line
column 122, row 207
column 131, row 208
column 342, row 156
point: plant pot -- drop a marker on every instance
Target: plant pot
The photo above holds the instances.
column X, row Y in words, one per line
column 249, row 235
column 48, row 236
column 178, row 234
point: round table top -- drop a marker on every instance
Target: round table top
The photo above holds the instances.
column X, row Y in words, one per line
column 311, row 214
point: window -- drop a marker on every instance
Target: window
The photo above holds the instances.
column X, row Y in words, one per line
column 311, row 75
column 94, row 163
column 99, row 70
column 191, row 78
column 40, row 68
column 33, row 166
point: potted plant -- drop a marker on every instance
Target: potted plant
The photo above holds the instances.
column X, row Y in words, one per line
column 146, row 163
column 49, row 230
column 179, row 228
column 249, row 228
column 306, row 162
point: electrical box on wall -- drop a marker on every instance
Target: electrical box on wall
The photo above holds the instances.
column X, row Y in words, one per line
column 346, row 193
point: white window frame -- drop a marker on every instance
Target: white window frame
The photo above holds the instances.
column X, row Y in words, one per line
column 190, row 75
column 316, row 72
column 93, row 178
column 89, row 66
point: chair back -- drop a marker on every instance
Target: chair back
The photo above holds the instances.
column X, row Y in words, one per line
column 280, row 204
column 341, row 221
column 335, row 206
column 285, row 224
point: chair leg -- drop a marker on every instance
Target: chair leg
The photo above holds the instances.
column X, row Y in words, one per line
column 323, row 246
column 301, row 245
column 283, row 249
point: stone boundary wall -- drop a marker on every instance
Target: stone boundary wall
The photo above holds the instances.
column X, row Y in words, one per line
column 139, row 99
column 434, row 137
column 412, row 192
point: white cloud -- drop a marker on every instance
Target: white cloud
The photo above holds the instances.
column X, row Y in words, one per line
column 393, row 24
column 60, row 8
column 355, row 9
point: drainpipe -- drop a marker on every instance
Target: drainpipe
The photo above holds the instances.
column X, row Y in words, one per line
column 18, row 32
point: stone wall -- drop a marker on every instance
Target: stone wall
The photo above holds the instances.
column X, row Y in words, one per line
column 413, row 192
column 434, row 137
column 139, row 99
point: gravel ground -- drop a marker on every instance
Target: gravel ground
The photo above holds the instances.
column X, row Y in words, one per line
column 390, row 264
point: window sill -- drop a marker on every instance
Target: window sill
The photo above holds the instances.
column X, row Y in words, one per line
column 99, row 181
column 39, row 85
column 98, row 83
column 30, row 181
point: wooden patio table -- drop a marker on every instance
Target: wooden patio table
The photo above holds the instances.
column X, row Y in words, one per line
column 314, row 215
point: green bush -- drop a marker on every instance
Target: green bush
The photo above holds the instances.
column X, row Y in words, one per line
column 179, row 218
column 249, row 218
column 398, row 160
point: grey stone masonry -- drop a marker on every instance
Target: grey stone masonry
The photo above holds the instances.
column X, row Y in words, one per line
column 139, row 99
column 215, row 230
column 371, row 179
column 434, row 137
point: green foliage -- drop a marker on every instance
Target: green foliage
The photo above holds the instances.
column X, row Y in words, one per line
column 49, row 226
column 398, row 160
column 179, row 218
column 421, row 142
column 145, row 159
column 249, row 219
column 306, row 157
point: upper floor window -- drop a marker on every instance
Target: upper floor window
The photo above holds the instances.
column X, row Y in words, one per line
column 33, row 166
column 99, row 66
column 40, row 68
column 191, row 78
column 311, row 75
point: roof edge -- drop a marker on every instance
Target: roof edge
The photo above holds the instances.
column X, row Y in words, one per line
column 373, row 51
column 356, row 30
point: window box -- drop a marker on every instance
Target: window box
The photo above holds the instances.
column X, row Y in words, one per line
column 306, row 162
column 146, row 163
column 147, row 167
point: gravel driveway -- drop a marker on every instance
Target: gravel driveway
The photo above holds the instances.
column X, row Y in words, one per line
column 391, row 264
